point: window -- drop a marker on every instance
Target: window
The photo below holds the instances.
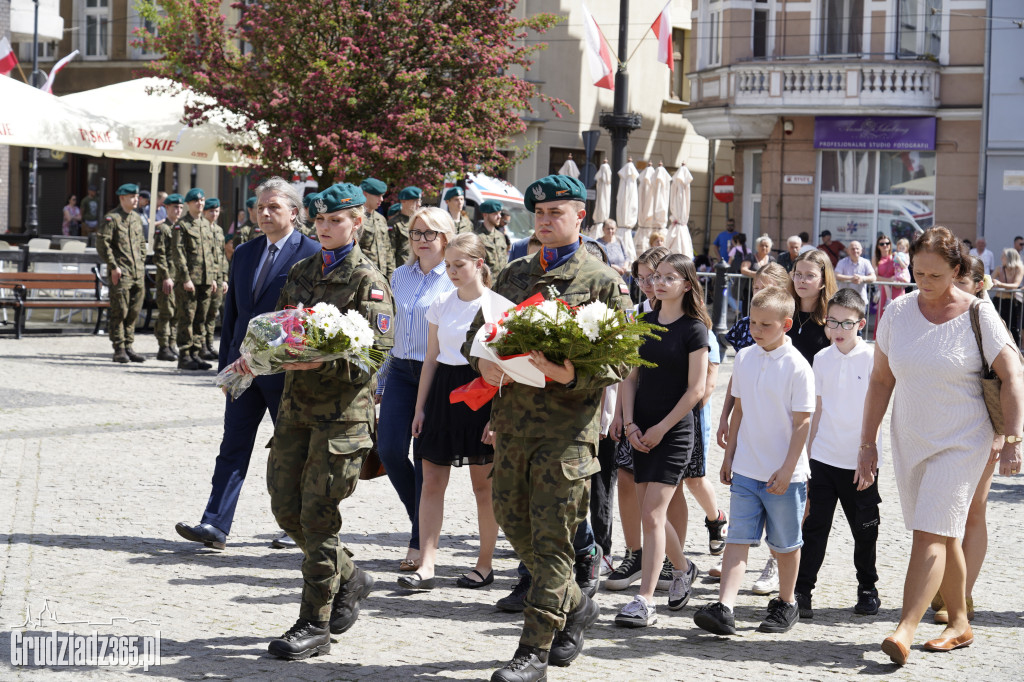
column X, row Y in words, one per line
column 137, row 22
column 842, row 26
column 680, row 83
column 920, row 24
column 47, row 50
column 713, row 39
column 866, row 193
column 751, row 198
column 760, row 31
column 96, row 30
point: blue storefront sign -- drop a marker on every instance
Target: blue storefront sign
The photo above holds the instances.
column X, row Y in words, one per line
column 895, row 133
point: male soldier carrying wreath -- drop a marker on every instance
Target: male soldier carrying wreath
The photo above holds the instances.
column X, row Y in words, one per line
column 544, row 451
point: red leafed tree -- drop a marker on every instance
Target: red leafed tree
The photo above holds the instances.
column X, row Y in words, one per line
column 403, row 90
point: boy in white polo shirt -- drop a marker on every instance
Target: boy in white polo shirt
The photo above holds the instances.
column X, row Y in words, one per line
column 765, row 462
column 841, row 375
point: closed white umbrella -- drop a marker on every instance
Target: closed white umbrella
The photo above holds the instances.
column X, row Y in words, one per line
column 570, row 168
column 662, row 181
column 626, row 199
column 33, row 118
column 645, row 218
column 603, row 193
column 679, row 209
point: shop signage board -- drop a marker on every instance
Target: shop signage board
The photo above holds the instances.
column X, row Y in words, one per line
column 884, row 133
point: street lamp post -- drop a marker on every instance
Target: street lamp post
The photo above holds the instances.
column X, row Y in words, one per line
column 619, row 122
column 33, row 174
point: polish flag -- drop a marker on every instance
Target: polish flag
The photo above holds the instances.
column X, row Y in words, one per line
column 48, row 85
column 663, row 30
column 7, row 59
column 598, row 55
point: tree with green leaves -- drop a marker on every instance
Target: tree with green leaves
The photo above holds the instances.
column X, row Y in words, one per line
column 404, row 90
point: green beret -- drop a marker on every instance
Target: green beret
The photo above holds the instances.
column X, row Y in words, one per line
column 410, row 193
column 307, row 201
column 193, row 194
column 129, row 188
column 373, row 186
column 554, row 188
column 393, row 209
column 250, row 202
column 211, row 203
column 173, row 199
column 338, row 197
column 454, row 192
column 490, row 206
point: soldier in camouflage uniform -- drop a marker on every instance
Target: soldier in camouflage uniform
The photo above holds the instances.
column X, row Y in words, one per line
column 195, row 271
column 249, row 230
column 496, row 244
column 455, row 198
column 211, row 212
column 324, row 426
column 122, row 246
column 544, row 452
column 374, row 240
column 306, row 226
column 163, row 241
column 399, row 224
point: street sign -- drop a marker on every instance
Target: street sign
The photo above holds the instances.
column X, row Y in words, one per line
column 724, row 188
column 798, row 179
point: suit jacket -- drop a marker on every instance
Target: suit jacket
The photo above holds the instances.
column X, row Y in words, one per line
column 242, row 304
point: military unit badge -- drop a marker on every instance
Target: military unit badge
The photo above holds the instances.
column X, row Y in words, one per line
column 383, row 322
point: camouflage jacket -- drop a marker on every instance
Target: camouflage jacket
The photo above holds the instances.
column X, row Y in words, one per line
column 463, row 225
column 220, row 256
column 376, row 243
column 163, row 255
column 195, row 252
column 556, row 411
column 398, row 231
column 121, row 243
column 339, row 391
column 309, row 229
column 247, row 232
column 496, row 249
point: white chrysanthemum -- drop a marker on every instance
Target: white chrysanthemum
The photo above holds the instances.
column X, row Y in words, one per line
column 357, row 329
column 327, row 318
column 590, row 317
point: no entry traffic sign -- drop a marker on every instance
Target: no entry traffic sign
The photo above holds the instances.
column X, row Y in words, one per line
column 724, row 188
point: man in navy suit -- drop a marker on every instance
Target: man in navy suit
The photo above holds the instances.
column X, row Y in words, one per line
column 259, row 269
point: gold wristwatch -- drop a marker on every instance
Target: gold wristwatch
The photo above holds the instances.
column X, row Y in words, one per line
column 1014, row 439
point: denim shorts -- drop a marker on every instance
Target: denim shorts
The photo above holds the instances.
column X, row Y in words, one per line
column 753, row 511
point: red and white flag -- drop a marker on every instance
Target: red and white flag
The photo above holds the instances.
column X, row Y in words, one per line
column 48, row 85
column 598, row 55
column 7, row 58
column 663, row 30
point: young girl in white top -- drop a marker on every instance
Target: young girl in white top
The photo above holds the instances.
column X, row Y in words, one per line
column 449, row 434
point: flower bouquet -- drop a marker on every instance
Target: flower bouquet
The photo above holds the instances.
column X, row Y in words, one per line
column 589, row 336
column 318, row 334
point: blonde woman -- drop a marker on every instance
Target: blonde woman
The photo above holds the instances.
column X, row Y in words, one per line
column 415, row 285
column 1006, row 296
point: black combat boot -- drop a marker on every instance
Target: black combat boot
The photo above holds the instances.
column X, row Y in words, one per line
column 120, row 356
column 166, row 354
column 186, row 361
column 569, row 640
column 132, row 355
column 529, row 664
column 306, row 638
column 345, row 610
column 197, row 357
column 515, row 602
column 207, row 352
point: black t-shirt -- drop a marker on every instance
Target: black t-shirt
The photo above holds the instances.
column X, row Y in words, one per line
column 660, row 388
column 808, row 337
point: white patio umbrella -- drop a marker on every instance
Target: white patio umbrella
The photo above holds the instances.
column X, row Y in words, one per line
column 626, row 198
column 662, row 181
column 678, row 237
column 645, row 214
column 158, row 134
column 603, row 193
column 570, row 168
column 33, row 118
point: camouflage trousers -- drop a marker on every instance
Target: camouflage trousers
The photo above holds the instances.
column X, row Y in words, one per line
column 313, row 467
column 126, row 298
column 541, row 493
column 164, row 330
column 212, row 317
column 190, row 316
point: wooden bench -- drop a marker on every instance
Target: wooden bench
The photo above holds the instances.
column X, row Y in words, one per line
column 38, row 290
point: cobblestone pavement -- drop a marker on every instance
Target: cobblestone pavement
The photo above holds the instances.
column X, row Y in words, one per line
column 98, row 461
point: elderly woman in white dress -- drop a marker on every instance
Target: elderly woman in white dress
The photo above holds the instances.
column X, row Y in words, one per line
column 928, row 356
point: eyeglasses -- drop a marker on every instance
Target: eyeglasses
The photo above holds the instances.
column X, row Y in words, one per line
column 665, row 279
column 429, row 235
column 797, row 277
column 845, row 324
column 885, row 243
column 645, row 281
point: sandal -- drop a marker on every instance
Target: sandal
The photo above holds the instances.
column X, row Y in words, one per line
column 466, row 582
column 408, row 564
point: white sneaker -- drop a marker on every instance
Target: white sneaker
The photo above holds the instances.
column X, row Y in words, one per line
column 769, row 580
column 606, row 565
column 715, row 572
column 679, row 591
column 637, row 614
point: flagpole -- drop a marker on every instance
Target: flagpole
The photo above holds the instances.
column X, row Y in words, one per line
column 646, row 32
column 32, row 221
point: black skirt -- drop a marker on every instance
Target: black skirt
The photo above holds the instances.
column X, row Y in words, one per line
column 451, row 433
column 667, row 461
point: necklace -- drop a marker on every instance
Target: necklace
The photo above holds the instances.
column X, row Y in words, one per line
column 801, row 321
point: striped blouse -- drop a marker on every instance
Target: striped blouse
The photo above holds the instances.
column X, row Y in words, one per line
column 414, row 291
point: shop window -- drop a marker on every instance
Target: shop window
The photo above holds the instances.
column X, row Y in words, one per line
column 842, row 26
column 866, row 193
column 919, row 26
column 96, row 29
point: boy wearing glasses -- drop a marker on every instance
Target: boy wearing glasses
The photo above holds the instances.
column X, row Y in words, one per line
column 841, row 374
